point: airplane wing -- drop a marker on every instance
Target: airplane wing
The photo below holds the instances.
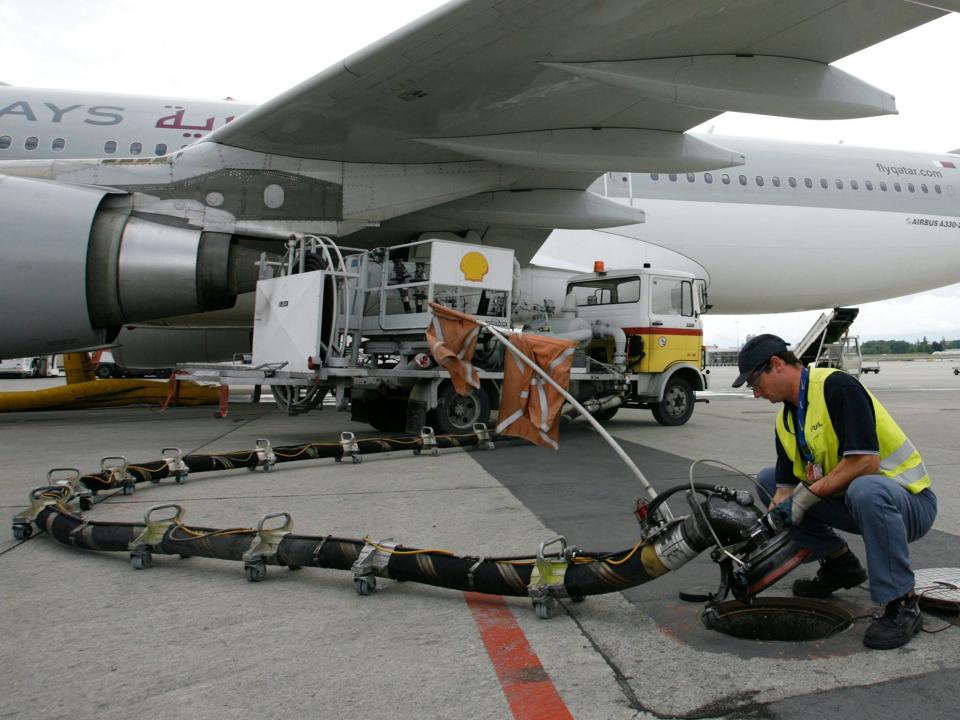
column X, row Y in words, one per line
column 440, row 88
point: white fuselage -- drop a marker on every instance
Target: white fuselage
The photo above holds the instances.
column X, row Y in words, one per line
column 887, row 223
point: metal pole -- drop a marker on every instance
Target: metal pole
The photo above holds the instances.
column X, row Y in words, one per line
column 583, row 411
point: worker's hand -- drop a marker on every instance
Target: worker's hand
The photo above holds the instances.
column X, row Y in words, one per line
column 792, row 510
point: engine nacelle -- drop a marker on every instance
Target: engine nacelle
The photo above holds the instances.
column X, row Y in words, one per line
column 85, row 266
column 144, row 346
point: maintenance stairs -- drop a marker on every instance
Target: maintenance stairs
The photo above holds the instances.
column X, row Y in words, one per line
column 829, row 329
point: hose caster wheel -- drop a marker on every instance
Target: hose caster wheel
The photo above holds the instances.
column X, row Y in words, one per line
column 128, row 488
column 365, row 586
column 255, row 571
column 546, row 608
column 21, row 531
column 85, row 504
column 577, row 598
column 141, row 559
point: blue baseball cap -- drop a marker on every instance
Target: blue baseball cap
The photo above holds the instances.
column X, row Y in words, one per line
column 755, row 353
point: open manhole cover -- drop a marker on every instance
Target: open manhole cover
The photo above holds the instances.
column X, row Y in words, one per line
column 784, row 619
column 938, row 588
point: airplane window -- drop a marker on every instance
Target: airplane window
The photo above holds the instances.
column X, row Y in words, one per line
column 691, row 177
column 936, row 189
column 160, row 149
column 707, row 178
column 725, row 179
column 868, row 185
column 839, row 184
column 759, row 180
column 911, row 188
column 654, row 176
column 793, row 182
column 923, row 188
column 31, row 143
column 136, row 148
column 110, row 147
column 5, row 141
column 949, row 189
column 896, row 186
column 673, row 177
column 776, row 181
column 58, row 144
column 854, row 185
column 883, row 186
column 823, row 183
column 743, row 179
column 808, row 182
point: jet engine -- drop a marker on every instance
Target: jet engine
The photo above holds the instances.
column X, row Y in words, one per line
column 86, row 265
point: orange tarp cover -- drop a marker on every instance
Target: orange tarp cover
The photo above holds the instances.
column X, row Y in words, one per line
column 529, row 405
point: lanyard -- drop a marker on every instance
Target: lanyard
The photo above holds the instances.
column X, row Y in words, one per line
column 802, row 416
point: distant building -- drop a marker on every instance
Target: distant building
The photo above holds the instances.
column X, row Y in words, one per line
column 718, row 357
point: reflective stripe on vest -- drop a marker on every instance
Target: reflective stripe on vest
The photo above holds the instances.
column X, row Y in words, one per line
column 899, row 459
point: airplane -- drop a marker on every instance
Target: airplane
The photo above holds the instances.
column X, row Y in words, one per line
column 482, row 121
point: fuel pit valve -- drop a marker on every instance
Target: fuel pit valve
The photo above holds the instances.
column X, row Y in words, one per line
column 546, row 586
column 114, row 467
column 372, row 561
column 141, row 548
column 176, row 467
column 265, row 456
column 263, row 549
column 40, row 498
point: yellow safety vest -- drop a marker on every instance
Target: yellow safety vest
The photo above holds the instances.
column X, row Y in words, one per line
column 899, row 459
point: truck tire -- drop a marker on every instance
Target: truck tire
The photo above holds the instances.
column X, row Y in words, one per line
column 104, row 371
column 459, row 413
column 677, row 404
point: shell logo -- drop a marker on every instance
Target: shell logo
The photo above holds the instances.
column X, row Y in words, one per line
column 474, row 266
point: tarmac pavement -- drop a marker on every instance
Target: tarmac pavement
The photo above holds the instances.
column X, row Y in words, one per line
column 85, row 635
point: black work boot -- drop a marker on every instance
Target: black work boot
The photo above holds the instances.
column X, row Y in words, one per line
column 835, row 573
column 901, row 620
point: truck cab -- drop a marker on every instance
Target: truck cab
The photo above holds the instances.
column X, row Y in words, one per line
column 647, row 321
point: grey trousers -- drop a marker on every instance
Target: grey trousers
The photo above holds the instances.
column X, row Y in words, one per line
column 887, row 515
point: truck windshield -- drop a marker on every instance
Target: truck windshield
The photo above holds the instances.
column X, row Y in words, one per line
column 606, row 291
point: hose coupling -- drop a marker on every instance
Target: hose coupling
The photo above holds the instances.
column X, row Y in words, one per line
column 114, row 468
column 372, row 561
column 428, row 441
column 348, row 442
column 265, row 456
column 263, row 549
column 176, row 467
column 546, row 581
column 155, row 529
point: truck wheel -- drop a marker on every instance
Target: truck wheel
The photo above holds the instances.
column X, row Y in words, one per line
column 677, row 404
column 459, row 413
column 104, row 371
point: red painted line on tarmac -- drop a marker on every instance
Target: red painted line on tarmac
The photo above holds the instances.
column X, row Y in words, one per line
column 529, row 690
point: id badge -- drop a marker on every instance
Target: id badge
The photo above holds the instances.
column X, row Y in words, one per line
column 814, row 471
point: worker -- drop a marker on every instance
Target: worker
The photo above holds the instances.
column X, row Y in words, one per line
column 843, row 463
